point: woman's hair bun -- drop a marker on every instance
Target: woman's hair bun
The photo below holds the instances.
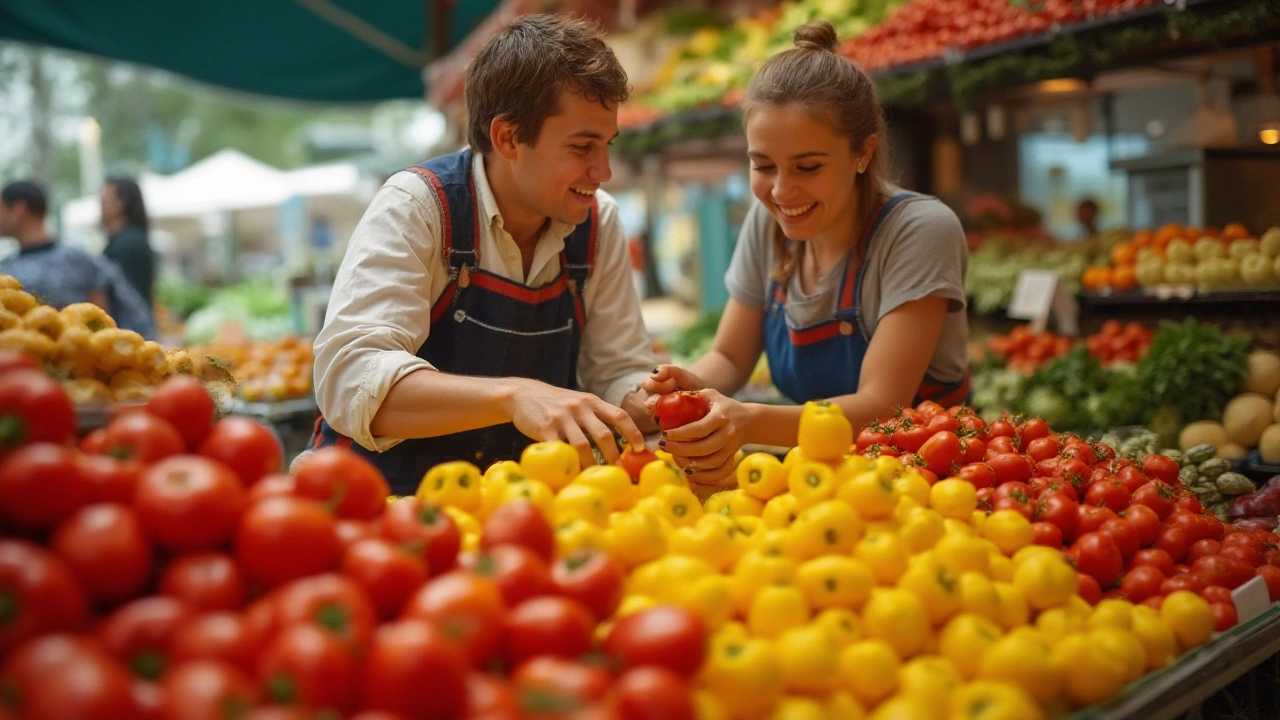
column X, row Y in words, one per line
column 816, row 35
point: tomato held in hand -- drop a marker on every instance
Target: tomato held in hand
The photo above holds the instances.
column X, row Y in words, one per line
column 592, row 578
column 680, row 408
column 183, row 402
column 664, row 635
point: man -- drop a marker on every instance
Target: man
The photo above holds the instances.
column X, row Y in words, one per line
column 60, row 275
column 483, row 288
column 124, row 216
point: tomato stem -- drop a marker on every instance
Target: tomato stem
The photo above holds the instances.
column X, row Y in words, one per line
column 148, row 664
column 13, row 430
column 282, row 689
column 332, row 617
column 9, row 607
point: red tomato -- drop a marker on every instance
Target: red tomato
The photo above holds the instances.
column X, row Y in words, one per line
column 1109, row 495
column 425, row 528
column 1047, row 534
column 304, row 665
column 566, row 683
column 33, row 409
column 942, row 453
column 41, row 594
column 183, row 402
column 351, row 532
column 1145, row 521
column 1010, row 467
column 1157, row 496
column 40, row 485
column 221, row 636
column 547, row 626
column 1222, row 570
column 1000, row 445
column 1175, row 541
column 1142, row 582
column 149, row 699
column 141, row 633
column 633, row 461
column 1002, row 428
column 387, row 572
column 1188, row 582
column 869, row 436
column 1098, row 555
column 142, row 437
column 1224, row 616
column 1034, row 429
column 92, row 444
column 489, row 698
column 250, row 449
column 975, row 451
column 11, row 360
column 467, row 606
column 205, row 689
column 409, row 660
column 519, row 523
column 909, row 437
column 334, row 603
column 1090, row 518
column 109, row 480
column 206, row 581
column 1072, row 470
column 1247, row 555
column 592, row 578
column 284, row 538
column 1042, row 448
column 1189, row 503
column 653, row 693
column 1154, row 557
column 1061, row 511
column 1048, row 467
column 1216, row 593
column 1124, row 534
column 978, row 474
column 1018, row 503
column 1271, row 575
column 1244, row 540
column 1089, row 589
column 1162, row 468
column 63, row 676
column 344, row 481
column 1080, row 451
column 107, row 549
column 664, row 635
column 1215, row 527
column 189, row 503
column 517, row 571
column 272, row 486
column 680, row 408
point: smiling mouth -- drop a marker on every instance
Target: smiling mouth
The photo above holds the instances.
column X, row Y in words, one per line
column 583, row 193
column 795, row 211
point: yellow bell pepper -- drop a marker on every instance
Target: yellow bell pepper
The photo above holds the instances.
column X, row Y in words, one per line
column 842, row 624
column 676, row 505
column 659, row 578
column 825, row 434
column 761, row 476
column 708, row 597
column 810, row 659
column 535, row 492
column 577, row 534
column 744, row 674
column 825, row 528
column 714, row 538
column 852, row 465
column 613, row 481
column 452, row 484
column 635, row 537
column 776, row 608
column 870, row 493
column 756, row 570
column 835, row 581
column 657, row 475
column 582, row 501
column 811, row 483
column 780, row 512
column 554, row 463
column 734, row 503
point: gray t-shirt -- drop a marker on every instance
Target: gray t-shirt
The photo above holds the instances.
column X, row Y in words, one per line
column 919, row 250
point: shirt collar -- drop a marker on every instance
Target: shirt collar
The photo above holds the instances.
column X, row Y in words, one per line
column 42, row 247
column 489, row 205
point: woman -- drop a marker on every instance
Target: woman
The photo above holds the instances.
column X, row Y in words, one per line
column 852, row 287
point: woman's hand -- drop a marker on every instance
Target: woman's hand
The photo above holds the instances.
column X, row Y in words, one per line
column 705, row 448
column 668, row 379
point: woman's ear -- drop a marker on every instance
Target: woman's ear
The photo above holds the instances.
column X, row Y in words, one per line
column 868, row 151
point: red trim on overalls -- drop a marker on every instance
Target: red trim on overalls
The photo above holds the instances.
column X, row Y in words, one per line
column 315, row 433
column 446, row 241
column 817, row 333
column 443, row 302
column 519, row 292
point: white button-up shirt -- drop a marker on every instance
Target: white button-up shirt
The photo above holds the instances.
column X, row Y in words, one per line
column 379, row 312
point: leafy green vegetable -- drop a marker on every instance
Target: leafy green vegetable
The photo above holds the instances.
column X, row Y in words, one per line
column 1189, row 373
column 693, row 341
column 1072, row 378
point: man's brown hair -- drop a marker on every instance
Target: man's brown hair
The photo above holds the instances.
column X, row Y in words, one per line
column 520, row 72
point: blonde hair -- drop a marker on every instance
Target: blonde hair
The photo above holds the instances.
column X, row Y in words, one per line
column 833, row 90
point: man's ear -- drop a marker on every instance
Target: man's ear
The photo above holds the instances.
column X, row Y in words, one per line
column 502, row 135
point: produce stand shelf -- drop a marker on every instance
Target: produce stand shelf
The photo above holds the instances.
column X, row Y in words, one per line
column 1197, row 676
column 276, row 410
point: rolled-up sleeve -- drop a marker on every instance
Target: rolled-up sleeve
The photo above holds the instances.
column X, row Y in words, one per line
column 617, row 352
column 379, row 311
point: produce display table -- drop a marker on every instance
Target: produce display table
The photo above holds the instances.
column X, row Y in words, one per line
column 1199, row 675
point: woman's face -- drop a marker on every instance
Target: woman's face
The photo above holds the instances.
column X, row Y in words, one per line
column 803, row 173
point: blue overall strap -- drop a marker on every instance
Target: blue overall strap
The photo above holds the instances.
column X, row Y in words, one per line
column 451, row 180
column 579, row 259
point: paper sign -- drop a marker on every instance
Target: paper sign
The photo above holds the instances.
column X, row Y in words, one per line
column 1040, row 295
column 1251, row 599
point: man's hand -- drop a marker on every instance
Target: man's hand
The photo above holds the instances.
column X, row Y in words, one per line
column 544, row 412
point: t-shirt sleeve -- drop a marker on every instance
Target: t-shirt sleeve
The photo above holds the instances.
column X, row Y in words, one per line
column 747, row 278
column 927, row 256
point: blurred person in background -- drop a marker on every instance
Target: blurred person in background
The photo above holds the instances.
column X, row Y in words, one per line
column 124, row 215
column 58, row 274
column 1087, row 216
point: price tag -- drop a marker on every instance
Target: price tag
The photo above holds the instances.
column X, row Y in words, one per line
column 1040, row 295
column 1251, row 599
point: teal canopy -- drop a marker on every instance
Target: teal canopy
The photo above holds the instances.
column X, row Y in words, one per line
column 321, row 50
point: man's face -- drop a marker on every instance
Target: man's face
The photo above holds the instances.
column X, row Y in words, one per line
column 7, row 219
column 560, row 172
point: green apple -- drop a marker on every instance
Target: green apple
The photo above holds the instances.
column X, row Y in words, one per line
column 1238, row 249
column 1180, row 273
column 1269, row 245
column 1256, row 271
column 1149, row 271
column 1179, row 251
column 1206, row 248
